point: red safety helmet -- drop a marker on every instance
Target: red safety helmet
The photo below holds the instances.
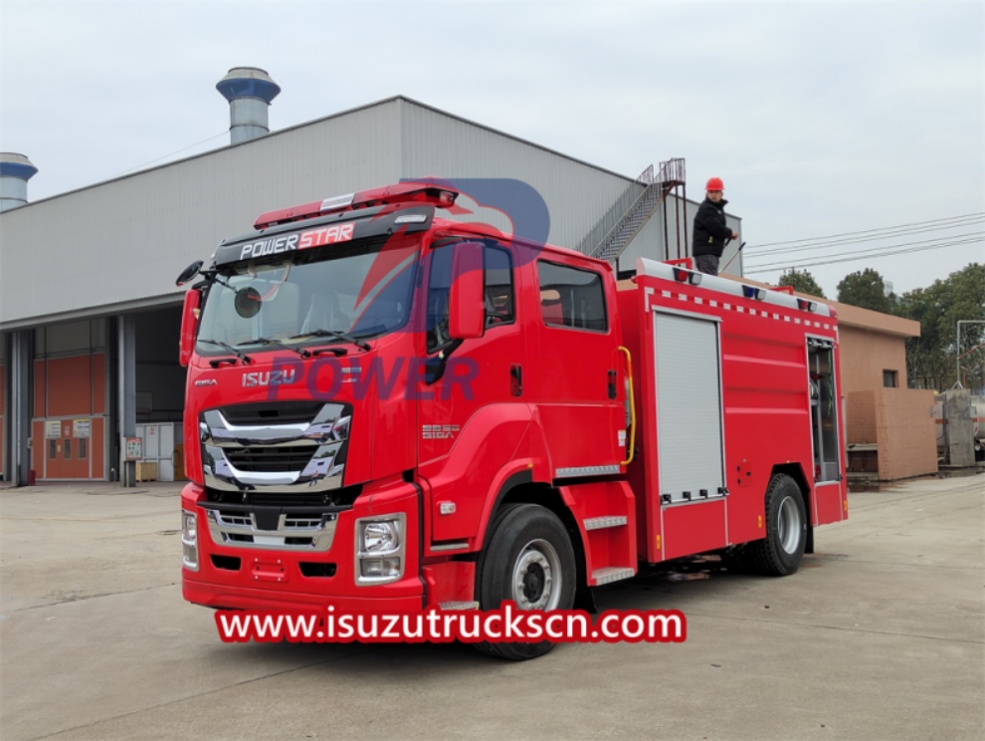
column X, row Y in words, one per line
column 715, row 184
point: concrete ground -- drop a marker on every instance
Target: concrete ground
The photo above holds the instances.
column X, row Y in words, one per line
column 881, row 635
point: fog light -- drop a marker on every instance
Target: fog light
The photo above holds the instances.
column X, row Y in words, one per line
column 377, row 568
column 189, row 540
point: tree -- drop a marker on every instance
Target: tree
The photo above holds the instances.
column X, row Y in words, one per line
column 802, row 282
column 932, row 357
column 867, row 290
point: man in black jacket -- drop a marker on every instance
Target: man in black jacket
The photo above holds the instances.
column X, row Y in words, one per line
column 710, row 232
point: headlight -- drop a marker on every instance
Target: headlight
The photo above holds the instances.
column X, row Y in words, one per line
column 380, row 537
column 380, row 549
column 189, row 540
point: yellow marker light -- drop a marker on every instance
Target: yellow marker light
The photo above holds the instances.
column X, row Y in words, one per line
column 760, row 522
column 658, row 542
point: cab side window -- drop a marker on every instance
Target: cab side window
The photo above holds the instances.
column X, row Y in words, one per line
column 439, row 285
column 498, row 289
column 571, row 297
column 498, row 292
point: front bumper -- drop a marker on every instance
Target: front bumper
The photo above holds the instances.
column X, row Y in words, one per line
column 264, row 576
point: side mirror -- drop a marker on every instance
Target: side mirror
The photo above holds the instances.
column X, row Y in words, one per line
column 466, row 309
column 189, row 325
column 188, row 273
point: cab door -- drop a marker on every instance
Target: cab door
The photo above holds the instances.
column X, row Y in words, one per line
column 471, row 407
column 579, row 375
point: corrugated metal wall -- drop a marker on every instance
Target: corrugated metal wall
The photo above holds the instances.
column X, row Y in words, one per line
column 120, row 244
column 577, row 195
column 126, row 240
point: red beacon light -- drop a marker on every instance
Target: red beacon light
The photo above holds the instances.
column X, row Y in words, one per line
column 388, row 195
column 686, row 276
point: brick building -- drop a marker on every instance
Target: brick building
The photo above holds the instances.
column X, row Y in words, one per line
column 880, row 410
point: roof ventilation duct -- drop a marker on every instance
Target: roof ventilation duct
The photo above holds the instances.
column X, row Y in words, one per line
column 249, row 91
column 15, row 171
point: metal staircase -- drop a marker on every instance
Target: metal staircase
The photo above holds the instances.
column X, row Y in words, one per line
column 632, row 210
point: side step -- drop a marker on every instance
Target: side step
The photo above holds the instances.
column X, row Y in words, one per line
column 611, row 574
column 459, row 606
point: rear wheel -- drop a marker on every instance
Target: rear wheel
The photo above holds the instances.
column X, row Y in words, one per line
column 779, row 553
column 529, row 560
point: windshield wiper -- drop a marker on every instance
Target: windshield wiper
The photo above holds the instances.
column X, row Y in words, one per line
column 276, row 343
column 246, row 359
column 361, row 344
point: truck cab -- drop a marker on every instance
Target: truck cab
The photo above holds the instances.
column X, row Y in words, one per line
column 374, row 389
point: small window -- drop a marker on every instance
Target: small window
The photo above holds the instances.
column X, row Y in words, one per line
column 67, row 449
column 438, row 290
column 890, row 379
column 570, row 297
column 498, row 287
column 498, row 292
column 83, row 448
column 52, row 449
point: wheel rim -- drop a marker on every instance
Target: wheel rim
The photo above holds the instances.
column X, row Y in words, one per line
column 537, row 577
column 788, row 525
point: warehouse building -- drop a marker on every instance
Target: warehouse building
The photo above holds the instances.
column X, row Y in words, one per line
column 90, row 315
column 89, row 311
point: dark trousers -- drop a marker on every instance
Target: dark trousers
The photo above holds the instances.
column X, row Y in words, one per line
column 707, row 264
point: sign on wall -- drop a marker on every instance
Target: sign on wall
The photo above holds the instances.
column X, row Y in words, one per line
column 134, row 448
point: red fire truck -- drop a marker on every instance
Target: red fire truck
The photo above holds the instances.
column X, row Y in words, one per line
column 397, row 411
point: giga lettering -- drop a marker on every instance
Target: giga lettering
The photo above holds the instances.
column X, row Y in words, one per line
column 269, row 378
column 272, row 246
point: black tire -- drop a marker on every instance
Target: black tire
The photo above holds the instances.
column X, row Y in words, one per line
column 779, row 553
column 528, row 559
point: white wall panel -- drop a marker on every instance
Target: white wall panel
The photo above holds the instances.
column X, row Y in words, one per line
column 126, row 240
column 120, row 244
column 577, row 194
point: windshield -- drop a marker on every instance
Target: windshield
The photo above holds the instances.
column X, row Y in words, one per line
column 331, row 295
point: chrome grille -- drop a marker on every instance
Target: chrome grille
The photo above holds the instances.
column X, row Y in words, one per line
column 277, row 449
column 294, row 531
column 283, row 458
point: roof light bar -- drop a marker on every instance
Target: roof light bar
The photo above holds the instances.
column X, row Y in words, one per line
column 388, row 195
column 804, row 305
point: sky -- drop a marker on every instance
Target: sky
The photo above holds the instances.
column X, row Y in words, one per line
column 841, row 130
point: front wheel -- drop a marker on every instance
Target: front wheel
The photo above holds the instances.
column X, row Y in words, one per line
column 779, row 553
column 529, row 560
